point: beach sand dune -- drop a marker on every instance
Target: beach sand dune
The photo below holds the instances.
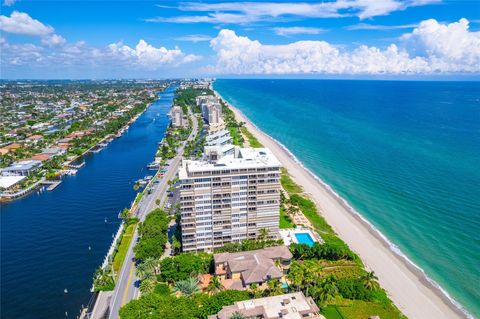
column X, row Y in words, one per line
column 405, row 284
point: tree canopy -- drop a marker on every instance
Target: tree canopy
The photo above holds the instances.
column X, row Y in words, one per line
column 153, row 235
column 184, row 266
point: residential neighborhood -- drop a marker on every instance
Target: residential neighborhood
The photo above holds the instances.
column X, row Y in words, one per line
column 48, row 126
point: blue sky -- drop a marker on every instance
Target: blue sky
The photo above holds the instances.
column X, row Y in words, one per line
column 360, row 38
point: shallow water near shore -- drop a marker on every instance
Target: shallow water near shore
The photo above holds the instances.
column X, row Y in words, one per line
column 45, row 237
column 403, row 154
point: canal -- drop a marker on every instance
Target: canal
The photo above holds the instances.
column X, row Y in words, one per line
column 52, row 241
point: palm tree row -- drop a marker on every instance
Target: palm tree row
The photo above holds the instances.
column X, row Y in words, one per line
column 304, row 276
column 147, row 272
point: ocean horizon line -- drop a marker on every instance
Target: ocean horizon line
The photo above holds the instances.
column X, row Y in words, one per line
column 426, row 78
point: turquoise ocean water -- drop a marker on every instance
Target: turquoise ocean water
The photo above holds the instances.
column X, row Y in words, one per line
column 405, row 155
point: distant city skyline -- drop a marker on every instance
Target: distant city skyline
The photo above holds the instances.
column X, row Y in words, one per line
column 394, row 39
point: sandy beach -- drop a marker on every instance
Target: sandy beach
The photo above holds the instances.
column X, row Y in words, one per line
column 406, row 285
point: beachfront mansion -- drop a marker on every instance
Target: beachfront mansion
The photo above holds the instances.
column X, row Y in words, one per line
column 228, row 198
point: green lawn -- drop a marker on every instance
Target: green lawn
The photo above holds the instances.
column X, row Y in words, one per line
column 331, row 312
column 139, row 196
column 123, row 247
column 364, row 309
column 285, row 221
column 236, row 137
column 288, row 184
column 252, row 140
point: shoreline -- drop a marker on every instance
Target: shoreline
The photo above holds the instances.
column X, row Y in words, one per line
column 407, row 285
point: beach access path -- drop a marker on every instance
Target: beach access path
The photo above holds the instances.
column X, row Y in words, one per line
column 406, row 285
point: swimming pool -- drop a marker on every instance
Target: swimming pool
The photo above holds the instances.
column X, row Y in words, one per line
column 304, row 238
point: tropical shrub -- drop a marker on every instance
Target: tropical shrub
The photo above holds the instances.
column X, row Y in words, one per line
column 103, row 279
column 330, row 250
column 214, row 303
column 162, row 289
column 153, row 235
column 247, row 245
column 184, row 266
column 352, row 288
column 187, row 287
column 154, row 306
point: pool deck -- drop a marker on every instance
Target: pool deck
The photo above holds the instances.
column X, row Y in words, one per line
column 288, row 235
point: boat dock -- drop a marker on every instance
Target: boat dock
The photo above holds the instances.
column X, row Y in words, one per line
column 76, row 166
column 51, row 184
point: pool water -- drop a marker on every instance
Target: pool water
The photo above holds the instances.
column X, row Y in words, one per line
column 305, row 238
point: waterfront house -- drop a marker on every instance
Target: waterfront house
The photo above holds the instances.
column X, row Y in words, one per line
column 54, row 151
column 9, row 182
column 288, row 306
column 240, row 270
column 23, row 168
column 40, row 157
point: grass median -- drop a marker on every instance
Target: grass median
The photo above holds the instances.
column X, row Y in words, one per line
column 123, row 247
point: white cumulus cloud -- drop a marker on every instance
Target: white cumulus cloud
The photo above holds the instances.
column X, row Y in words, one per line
column 53, row 40
column 58, row 53
column 241, row 55
column 149, row 57
column 450, row 43
column 22, row 23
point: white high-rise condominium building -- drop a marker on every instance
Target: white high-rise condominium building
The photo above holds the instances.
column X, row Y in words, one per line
column 177, row 116
column 229, row 199
column 211, row 108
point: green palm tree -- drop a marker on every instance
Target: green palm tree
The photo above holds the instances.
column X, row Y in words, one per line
column 274, row 287
column 282, row 198
column 257, row 293
column 310, row 274
column 152, row 264
column 328, row 290
column 292, row 209
column 263, row 233
column 370, row 280
column 145, row 271
column 237, row 315
column 147, row 286
column 187, row 287
column 296, row 275
column 253, row 288
column 215, row 285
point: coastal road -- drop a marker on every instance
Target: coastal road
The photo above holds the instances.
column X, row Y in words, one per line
column 126, row 288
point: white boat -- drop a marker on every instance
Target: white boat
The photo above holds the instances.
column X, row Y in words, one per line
column 153, row 166
column 71, row 171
